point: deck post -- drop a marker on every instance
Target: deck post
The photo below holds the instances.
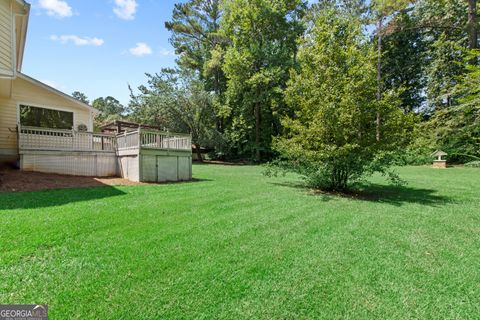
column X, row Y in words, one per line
column 73, row 138
column 140, row 157
column 19, row 137
column 168, row 141
column 139, row 138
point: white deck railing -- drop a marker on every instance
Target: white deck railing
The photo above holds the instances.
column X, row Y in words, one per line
column 33, row 138
column 154, row 140
column 128, row 140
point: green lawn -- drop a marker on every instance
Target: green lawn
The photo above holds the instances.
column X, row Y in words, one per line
column 237, row 245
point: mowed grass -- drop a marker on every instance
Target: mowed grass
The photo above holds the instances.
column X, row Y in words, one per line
column 237, row 245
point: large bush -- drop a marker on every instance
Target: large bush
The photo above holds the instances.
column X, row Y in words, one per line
column 332, row 137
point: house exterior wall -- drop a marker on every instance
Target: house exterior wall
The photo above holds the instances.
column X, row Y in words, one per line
column 6, row 39
column 26, row 92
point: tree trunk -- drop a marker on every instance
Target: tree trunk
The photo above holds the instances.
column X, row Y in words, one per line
column 472, row 24
column 379, row 74
column 257, row 131
column 199, row 153
column 219, row 120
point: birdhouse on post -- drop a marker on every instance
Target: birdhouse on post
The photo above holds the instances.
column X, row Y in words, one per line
column 439, row 162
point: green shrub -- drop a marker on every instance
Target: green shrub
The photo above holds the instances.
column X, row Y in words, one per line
column 333, row 139
column 413, row 156
column 473, row 164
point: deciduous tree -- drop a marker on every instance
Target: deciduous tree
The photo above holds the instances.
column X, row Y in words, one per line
column 110, row 109
column 332, row 137
column 262, row 35
column 177, row 100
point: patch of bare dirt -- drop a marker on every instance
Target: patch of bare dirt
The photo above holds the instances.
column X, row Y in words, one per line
column 12, row 180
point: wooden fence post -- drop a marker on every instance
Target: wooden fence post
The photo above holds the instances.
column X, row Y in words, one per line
column 139, row 138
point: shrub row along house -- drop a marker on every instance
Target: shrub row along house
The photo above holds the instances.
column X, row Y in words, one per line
column 46, row 130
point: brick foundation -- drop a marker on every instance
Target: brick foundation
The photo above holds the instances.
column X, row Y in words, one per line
column 441, row 164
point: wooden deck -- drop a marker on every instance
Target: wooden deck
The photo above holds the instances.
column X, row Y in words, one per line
column 32, row 138
column 140, row 155
column 132, row 142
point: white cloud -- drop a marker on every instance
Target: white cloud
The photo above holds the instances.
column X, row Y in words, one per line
column 56, row 8
column 125, row 9
column 140, row 50
column 78, row 41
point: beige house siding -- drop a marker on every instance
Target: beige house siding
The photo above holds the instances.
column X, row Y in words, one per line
column 8, row 122
column 6, row 39
column 26, row 92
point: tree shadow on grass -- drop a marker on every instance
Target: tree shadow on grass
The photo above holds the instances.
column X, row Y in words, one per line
column 390, row 194
column 56, row 197
column 67, row 195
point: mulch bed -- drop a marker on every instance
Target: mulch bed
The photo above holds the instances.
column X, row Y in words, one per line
column 12, row 180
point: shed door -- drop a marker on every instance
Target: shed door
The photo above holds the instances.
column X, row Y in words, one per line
column 184, row 166
column 132, row 168
column 167, row 168
column 149, row 168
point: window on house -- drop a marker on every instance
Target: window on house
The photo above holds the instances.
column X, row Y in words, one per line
column 45, row 118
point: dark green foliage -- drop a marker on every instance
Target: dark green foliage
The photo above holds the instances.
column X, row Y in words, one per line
column 447, row 80
column 419, row 151
column 244, row 50
column 442, row 73
column 195, row 36
column 443, row 25
column 194, row 28
column 262, row 36
column 403, row 61
column 456, row 129
column 80, row 96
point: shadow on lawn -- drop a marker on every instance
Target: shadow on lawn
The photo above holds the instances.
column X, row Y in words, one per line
column 399, row 195
column 58, row 197
column 391, row 194
column 53, row 198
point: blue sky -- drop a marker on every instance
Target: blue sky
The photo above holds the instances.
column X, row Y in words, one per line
column 97, row 46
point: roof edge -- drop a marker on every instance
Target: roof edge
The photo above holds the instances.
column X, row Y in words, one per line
column 56, row 91
column 23, row 36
